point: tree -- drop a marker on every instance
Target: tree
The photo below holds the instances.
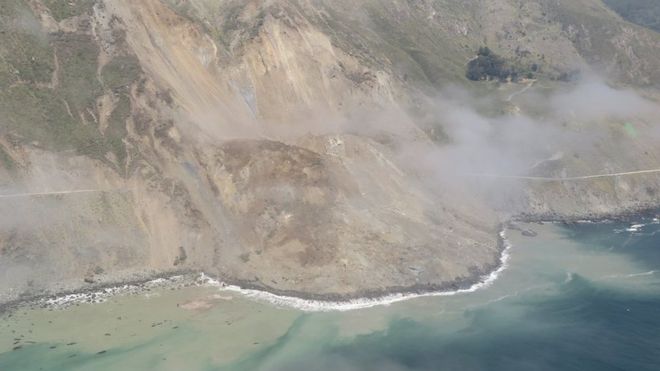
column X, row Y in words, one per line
column 487, row 65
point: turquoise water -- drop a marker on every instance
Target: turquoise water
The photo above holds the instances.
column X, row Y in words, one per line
column 581, row 297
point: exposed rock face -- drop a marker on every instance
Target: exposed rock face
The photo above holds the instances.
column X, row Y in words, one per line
column 260, row 140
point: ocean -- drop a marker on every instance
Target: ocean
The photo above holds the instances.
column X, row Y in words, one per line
column 584, row 296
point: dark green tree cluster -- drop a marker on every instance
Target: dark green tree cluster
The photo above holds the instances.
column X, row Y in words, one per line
column 490, row 66
column 486, row 66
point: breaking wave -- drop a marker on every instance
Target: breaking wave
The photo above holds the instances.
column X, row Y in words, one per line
column 307, row 305
column 361, row 303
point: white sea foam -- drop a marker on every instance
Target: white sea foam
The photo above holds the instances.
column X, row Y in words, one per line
column 327, row 306
column 87, row 297
column 104, row 294
column 569, row 277
column 649, row 273
column 585, row 221
column 635, row 227
column 101, row 295
column 628, row 275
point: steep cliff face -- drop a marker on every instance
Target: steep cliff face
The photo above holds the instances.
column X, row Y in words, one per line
column 265, row 141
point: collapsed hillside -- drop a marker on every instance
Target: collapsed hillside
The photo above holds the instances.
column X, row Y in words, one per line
column 296, row 146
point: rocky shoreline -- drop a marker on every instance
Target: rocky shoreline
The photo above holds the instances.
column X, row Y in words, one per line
column 89, row 294
column 458, row 284
column 190, row 277
column 621, row 216
column 92, row 292
column 463, row 283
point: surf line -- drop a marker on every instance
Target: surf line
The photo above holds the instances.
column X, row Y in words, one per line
column 102, row 294
column 307, row 305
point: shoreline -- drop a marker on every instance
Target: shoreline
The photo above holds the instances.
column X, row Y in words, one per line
column 419, row 289
column 309, row 301
column 91, row 293
column 627, row 215
column 370, row 298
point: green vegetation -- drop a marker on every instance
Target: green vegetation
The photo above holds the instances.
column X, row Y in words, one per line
column 645, row 13
column 490, row 66
column 62, row 117
column 5, row 160
column 487, row 65
column 419, row 54
column 63, row 9
column 78, row 56
column 38, row 114
column 25, row 54
column 116, row 130
column 595, row 28
column 52, row 117
column 31, row 58
column 120, row 72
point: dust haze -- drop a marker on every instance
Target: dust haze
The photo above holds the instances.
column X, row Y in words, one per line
column 484, row 136
column 567, row 127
